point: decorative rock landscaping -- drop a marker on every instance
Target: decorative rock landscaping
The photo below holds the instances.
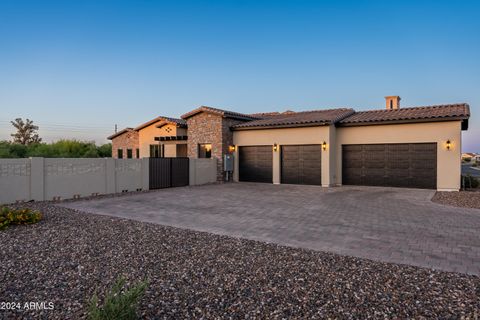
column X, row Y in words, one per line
column 67, row 256
column 465, row 199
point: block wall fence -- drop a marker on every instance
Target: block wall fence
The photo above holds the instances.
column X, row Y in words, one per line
column 42, row 179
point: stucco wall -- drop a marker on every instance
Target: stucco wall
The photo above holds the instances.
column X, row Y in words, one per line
column 147, row 137
column 448, row 161
column 14, row 180
column 202, row 171
column 288, row 136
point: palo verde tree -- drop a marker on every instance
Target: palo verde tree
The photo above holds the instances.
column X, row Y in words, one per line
column 26, row 132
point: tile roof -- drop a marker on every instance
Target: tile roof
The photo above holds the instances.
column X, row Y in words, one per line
column 298, row 119
column 119, row 133
column 223, row 113
column 414, row 114
column 180, row 122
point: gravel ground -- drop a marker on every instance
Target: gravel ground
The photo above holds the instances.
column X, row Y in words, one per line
column 65, row 257
column 466, row 199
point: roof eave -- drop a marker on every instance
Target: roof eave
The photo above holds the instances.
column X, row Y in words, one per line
column 463, row 119
column 281, row 126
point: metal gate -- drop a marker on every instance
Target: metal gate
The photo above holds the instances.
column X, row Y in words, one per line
column 168, row 172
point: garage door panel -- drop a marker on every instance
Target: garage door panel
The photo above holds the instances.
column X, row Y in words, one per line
column 396, row 165
column 255, row 163
column 301, row 164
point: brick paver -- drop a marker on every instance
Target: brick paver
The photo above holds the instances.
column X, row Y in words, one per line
column 384, row 224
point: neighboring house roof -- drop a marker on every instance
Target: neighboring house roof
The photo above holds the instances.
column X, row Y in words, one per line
column 157, row 119
column 119, row 133
column 468, row 154
column 220, row 112
column 460, row 111
column 298, row 119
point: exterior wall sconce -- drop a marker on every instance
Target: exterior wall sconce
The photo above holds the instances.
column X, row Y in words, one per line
column 275, row 147
column 232, row 148
column 324, row 146
column 448, row 144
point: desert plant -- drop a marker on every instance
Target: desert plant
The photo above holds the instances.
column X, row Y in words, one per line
column 10, row 216
column 119, row 302
column 470, row 182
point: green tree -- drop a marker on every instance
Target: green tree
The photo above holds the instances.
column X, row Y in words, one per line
column 105, row 150
column 26, row 132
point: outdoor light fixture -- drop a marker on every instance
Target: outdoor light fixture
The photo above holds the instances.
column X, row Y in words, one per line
column 275, row 147
column 232, row 148
column 324, row 146
column 448, row 144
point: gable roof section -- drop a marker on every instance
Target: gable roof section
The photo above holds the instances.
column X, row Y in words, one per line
column 220, row 112
column 459, row 111
column 297, row 119
column 161, row 118
column 119, row 133
column 178, row 122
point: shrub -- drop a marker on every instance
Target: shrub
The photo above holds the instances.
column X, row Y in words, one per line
column 475, row 165
column 10, row 216
column 470, row 182
column 119, row 303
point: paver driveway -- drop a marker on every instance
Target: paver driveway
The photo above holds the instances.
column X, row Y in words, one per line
column 385, row 224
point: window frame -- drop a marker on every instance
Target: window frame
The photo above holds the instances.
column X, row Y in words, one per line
column 206, row 154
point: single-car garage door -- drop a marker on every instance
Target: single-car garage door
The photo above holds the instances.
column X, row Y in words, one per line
column 301, row 164
column 410, row 165
column 255, row 163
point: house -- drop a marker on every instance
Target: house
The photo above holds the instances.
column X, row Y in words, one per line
column 125, row 144
column 159, row 137
column 476, row 159
column 468, row 156
column 416, row 147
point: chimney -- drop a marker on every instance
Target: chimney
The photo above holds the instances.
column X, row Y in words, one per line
column 393, row 102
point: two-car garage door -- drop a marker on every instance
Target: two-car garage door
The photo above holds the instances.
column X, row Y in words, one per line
column 299, row 164
column 411, row 165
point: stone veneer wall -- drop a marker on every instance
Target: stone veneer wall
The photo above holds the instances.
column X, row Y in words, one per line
column 210, row 128
column 127, row 140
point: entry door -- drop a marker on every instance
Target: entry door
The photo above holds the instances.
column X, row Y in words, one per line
column 301, row 164
column 255, row 163
column 410, row 165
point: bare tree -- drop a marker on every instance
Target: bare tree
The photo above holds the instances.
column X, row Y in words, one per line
column 26, row 132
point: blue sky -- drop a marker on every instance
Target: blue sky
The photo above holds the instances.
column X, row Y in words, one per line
column 79, row 67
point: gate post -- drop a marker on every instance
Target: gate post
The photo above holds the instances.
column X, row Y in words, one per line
column 145, row 173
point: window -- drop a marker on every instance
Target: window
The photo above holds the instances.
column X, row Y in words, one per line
column 157, row 151
column 129, row 153
column 120, row 153
column 182, row 151
column 205, row 150
column 138, row 153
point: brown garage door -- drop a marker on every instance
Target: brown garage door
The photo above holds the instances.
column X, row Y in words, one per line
column 410, row 165
column 302, row 164
column 255, row 163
